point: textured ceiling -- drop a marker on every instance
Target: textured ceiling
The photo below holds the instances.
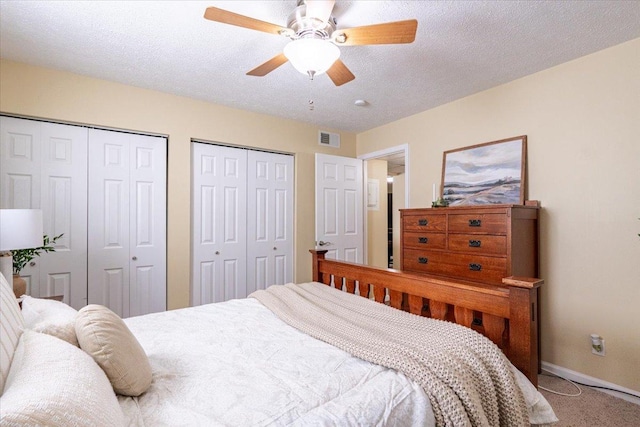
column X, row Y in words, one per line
column 461, row 47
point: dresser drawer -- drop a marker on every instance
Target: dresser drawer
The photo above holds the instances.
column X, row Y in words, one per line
column 470, row 267
column 478, row 243
column 423, row 261
column 424, row 240
column 493, row 223
column 424, row 222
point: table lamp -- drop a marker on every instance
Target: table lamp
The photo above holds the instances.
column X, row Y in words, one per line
column 19, row 229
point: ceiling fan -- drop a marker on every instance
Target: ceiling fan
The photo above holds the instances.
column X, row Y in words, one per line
column 313, row 49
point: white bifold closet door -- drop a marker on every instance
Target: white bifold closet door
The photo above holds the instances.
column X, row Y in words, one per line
column 44, row 166
column 105, row 191
column 242, row 227
column 127, row 222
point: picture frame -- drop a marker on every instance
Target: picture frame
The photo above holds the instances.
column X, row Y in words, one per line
column 485, row 174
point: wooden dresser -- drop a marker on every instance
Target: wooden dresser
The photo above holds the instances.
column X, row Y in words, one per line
column 477, row 243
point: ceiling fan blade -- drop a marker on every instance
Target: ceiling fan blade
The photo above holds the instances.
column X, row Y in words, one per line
column 388, row 33
column 320, row 9
column 269, row 66
column 226, row 17
column 339, row 73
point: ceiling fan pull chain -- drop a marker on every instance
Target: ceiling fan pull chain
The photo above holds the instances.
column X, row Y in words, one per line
column 311, row 85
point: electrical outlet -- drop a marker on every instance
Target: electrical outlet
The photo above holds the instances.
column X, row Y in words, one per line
column 597, row 345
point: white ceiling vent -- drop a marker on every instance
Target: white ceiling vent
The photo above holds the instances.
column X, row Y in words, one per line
column 329, row 139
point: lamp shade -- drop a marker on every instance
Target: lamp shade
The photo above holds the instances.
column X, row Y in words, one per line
column 20, row 229
column 311, row 56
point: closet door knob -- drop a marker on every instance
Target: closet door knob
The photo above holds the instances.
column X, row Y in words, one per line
column 134, row 258
column 32, row 264
column 217, row 252
column 275, row 249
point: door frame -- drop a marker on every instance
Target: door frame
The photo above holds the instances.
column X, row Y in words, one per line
column 402, row 148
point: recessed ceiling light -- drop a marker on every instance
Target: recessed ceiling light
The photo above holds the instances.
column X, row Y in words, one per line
column 361, row 103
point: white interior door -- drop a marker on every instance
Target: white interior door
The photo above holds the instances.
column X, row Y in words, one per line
column 127, row 222
column 44, row 166
column 219, row 209
column 339, row 207
column 270, row 220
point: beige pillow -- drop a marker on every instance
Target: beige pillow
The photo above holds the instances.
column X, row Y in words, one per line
column 11, row 326
column 52, row 383
column 50, row 317
column 104, row 336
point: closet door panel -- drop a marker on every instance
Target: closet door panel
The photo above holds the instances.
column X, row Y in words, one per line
column 20, row 160
column 270, row 220
column 44, row 166
column 218, row 223
column 203, row 231
column 109, row 235
column 64, row 207
column 127, row 219
column 147, row 219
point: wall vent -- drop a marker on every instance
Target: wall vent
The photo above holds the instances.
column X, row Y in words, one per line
column 329, row 139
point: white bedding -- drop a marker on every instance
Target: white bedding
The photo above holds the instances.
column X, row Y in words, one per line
column 224, row 364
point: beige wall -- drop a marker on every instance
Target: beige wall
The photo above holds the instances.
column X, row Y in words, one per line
column 377, row 251
column 57, row 95
column 582, row 119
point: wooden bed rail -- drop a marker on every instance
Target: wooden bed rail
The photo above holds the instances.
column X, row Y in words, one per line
column 507, row 315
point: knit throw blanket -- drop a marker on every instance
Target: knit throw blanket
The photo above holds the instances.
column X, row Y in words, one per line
column 467, row 378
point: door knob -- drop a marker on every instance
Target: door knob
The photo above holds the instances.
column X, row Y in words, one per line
column 135, row 258
column 32, row 264
column 321, row 243
column 275, row 249
column 217, row 252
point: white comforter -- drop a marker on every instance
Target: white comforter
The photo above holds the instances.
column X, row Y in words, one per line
column 236, row 364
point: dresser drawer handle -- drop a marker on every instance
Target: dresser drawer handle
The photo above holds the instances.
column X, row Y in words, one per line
column 475, row 243
column 475, row 223
column 423, row 222
column 423, row 260
column 475, row 267
column 423, row 240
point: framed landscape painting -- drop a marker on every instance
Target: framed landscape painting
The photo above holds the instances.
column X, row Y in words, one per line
column 486, row 174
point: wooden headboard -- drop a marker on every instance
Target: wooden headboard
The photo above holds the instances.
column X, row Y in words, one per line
column 507, row 315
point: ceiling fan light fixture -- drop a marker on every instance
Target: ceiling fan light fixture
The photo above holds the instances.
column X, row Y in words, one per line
column 311, row 57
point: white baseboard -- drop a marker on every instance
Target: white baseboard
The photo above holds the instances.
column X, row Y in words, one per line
column 586, row 379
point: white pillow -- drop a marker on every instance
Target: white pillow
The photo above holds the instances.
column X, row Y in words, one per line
column 52, row 383
column 106, row 338
column 11, row 326
column 50, row 317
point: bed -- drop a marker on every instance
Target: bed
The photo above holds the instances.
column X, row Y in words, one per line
column 239, row 363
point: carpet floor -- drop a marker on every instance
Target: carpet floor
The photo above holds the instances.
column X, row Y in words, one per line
column 591, row 408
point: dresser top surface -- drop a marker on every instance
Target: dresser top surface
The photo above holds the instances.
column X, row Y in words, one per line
column 463, row 208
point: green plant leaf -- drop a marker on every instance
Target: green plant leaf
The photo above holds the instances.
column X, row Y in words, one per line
column 22, row 256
